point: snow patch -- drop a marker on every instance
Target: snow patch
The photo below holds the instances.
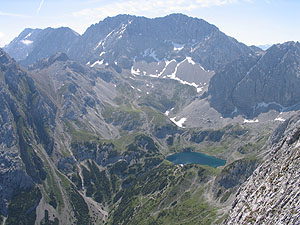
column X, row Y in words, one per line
column 98, row 45
column 97, row 63
column 234, row 111
column 164, row 69
column 190, row 60
column 193, row 84
column 251, row 121
column 179, row 123
column 122, row 30
column 279, row 119
column 102, row 53
column 150, row 52
column 26, row 42
column 153, row 75
column 266, row 105
column 177, row 47
column 135, row 72
column 28, row 35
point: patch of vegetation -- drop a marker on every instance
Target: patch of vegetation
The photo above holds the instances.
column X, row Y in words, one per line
column 159, row 102
column 46, row 220
column 33, row 164
column 127, row 117
column 79, row 206
column 52, row 192
column 253, row 147
column 80, row 135
column 96, row 182
column 166, row 194
column 155, row 117
column 122, row 142
column 53, row 201
column 24, row 213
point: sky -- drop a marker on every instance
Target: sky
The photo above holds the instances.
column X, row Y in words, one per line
column 253, row 22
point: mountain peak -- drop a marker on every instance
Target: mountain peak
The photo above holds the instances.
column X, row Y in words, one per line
column 34, row 44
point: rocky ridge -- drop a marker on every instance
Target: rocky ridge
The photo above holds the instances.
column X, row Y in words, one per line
column 259, row 82
column 125, row 39
column 271, row 194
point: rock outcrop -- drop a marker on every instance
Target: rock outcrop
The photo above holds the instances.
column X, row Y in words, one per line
column 271, row 194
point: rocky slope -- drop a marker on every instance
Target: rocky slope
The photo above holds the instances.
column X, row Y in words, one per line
column 271, row 194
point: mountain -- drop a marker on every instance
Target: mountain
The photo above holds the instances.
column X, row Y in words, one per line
column 258, row 82
column 271, row 194
column 126, row 39
column 175, row 47
column 88, row 126
column 21, row 46
column 34, row 44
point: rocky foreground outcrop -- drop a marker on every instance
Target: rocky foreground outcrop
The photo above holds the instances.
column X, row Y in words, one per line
column 271, row 194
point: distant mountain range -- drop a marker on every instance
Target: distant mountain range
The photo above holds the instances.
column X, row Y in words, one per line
column 177, row 47
column 125, row 39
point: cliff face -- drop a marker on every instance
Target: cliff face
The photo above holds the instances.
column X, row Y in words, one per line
column 26, row 119
column 259, row 82
column 271, row 194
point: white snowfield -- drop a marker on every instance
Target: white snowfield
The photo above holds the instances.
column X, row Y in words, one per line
column 180, row 122
column 26, row 42
column 136, row 71
column 251, row 121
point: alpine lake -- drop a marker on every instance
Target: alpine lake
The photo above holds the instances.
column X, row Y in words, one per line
column 195, row 158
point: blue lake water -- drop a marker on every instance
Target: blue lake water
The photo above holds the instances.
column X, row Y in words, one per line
column 195, row 158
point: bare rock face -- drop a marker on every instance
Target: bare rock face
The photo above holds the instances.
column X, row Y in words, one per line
column 271, row 194
column 258, row 83
column 22, row 112
column 12, row 171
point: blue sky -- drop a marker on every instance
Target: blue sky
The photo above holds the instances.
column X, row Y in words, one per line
column 249, row 21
